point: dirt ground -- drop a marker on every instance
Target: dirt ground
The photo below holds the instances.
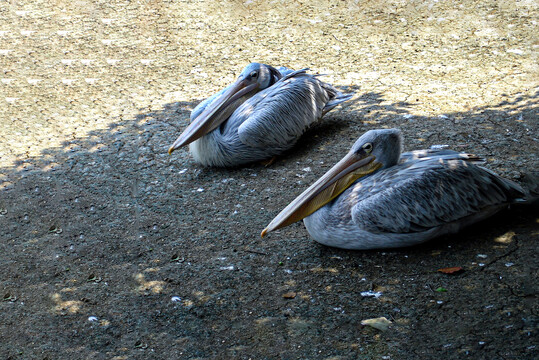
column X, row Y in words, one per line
column 112, row 249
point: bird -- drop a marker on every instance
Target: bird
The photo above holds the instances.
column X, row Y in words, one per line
column 258, row 117
column 377, row 197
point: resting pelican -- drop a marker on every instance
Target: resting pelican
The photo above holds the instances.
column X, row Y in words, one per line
column 259, row 116
column 376, row 197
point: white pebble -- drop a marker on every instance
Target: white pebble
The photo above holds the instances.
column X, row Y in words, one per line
column 369, row 293
column 439, row 147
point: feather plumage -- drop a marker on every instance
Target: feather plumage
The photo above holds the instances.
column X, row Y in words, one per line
column 422, row 195
column 266, row 123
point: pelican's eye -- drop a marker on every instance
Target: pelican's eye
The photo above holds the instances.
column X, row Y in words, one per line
column 367, row 147
column 254, row 74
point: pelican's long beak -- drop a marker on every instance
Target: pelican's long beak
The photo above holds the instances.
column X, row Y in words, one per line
column 216, row 113
column 327, row 188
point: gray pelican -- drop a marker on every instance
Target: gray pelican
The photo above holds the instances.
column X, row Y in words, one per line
column 376, row 197
column 259, row 116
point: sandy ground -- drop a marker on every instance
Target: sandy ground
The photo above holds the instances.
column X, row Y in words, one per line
column 112, row 249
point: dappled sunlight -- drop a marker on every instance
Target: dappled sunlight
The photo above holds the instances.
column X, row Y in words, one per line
column 263, row 321
column 121, row 357
column 66, row 306
column 97, row 148
column 291, row 283
column 324, row 270
column 506, row 238
column 69, row 289
column 201, row 297
column 304, row 296
column 154, row 286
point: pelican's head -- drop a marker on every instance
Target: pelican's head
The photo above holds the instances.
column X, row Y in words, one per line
column 254, row 78
column 260, row 74
column 384, row 144
column 373, row 150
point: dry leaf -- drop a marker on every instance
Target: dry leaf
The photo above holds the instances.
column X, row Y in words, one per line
column 289, row 295
column 451, row 270
column 380, row 323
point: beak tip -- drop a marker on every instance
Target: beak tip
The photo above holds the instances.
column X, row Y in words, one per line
column 263, row 233
column 171, row 150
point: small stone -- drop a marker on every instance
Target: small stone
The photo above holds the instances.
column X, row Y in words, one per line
column 380, row 323
column 289, row 295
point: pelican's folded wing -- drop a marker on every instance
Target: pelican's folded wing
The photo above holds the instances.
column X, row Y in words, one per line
column 278, row 116
column 444, row 154
column 429, row 194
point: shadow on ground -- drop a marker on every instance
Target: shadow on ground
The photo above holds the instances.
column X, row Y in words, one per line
column 111, row 247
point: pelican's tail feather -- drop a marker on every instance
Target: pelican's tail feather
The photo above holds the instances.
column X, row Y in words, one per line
column 530, row 182
column 338, row 99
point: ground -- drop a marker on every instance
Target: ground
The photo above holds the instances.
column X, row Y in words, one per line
column 112, row 249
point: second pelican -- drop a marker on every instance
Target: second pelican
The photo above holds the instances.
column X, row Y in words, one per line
column 260, row 116
column 376, row 197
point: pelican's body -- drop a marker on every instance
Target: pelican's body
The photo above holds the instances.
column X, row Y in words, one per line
column 260, row 116
column 398, row 199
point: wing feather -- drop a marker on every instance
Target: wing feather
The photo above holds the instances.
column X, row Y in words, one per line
column 427, row 194
column 279, row 115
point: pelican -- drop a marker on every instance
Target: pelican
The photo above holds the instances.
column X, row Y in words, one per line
column 376, row 197
column 259, row 116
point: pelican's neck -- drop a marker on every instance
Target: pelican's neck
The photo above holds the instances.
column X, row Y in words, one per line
column 222, row 147
column 208, row 149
